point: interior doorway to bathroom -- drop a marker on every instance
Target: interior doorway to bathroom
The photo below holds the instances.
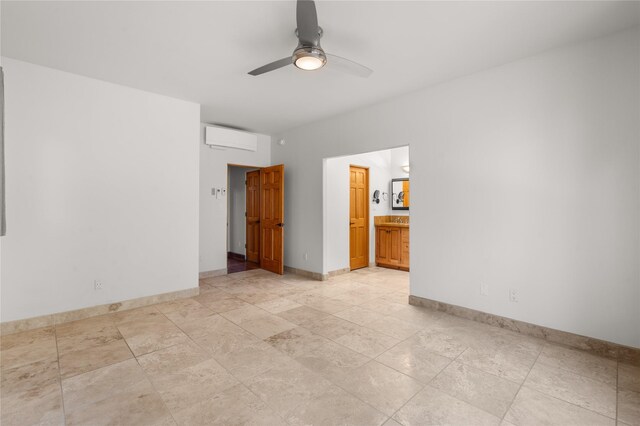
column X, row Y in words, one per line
column 366, row 212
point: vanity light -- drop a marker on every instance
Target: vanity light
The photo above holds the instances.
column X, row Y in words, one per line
column 406, row 168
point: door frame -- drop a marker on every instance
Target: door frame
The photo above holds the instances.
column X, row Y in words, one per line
column 249, row 168
column 367, row 216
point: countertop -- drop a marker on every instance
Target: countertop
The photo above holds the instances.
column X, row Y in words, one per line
column 394, row 224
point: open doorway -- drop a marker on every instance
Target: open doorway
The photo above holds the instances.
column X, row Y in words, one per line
column 240, row 254
column 255, row 218
column 367, row 207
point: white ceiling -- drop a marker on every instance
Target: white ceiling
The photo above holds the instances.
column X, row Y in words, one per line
column 202, row 51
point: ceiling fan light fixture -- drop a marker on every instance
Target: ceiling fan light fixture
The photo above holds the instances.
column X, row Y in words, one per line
column 308, row 55
column 309, row 58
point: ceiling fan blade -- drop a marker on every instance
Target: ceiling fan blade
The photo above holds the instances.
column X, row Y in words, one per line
column 272, row 66
column 348, row 66
column 307, row 21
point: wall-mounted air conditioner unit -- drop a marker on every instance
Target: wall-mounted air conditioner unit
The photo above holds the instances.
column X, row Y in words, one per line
column 230, row 138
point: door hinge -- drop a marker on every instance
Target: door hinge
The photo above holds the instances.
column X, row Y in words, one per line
column 245, row 214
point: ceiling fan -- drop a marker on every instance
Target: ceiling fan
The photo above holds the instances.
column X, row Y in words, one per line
column 309, row 56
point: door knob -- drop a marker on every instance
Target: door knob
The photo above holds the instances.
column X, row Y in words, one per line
column 281, row 225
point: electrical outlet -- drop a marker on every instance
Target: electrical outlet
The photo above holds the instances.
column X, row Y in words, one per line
column 484, row 289
column 513, row 295
column 306, row 256
column 97, row 285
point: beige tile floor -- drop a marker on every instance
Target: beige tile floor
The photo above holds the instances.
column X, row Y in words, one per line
column 262, row 349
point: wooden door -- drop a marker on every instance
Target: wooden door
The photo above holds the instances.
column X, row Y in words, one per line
column 358, row 217
column 272, row 219
column 253, row 215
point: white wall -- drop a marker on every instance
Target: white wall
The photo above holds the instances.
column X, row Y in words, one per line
column 399, row 158
column 101, row 185
column 524, row 176
column 213, row 211
column 337, row 200
column 237, row 208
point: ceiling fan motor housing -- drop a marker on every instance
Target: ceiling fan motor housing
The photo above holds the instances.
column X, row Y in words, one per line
column 316, row 41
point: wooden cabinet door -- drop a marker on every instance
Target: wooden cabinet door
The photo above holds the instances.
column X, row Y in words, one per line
column 382, row 245
column 404, row 258
column 395, row 247
column 253, row 215
column 272, row 219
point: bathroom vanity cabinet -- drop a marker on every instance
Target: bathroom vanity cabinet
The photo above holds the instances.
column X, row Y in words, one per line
column 392, row 242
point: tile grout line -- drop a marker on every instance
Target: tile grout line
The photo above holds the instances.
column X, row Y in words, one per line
column 350, row 393
column 559, row 367
column 482, row 371
column 337, row 343
column 563, row 400
column 171, row 346
column 269, row 369
column 522, row 384
column 383, row 315
column 487, row 372
column 64, row 412
column 424, row 385
column 545, row 343
column 430, row 380
column 571, row 403
column 141, row 368
column 617, row 387
column 364, row 326
column 402, row 341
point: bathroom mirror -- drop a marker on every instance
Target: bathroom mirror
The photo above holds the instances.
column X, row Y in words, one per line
column 400, row 194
